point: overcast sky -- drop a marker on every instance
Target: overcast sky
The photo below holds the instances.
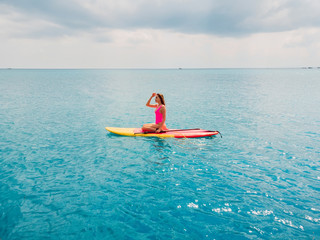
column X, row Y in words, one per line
column 159, row 33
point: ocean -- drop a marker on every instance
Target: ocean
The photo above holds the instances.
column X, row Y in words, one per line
column 63, row 176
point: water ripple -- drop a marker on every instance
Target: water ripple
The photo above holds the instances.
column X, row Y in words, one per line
column 63, row 177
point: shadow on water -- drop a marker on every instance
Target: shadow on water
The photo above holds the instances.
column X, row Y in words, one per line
column 159, row 150
column 161, row 144
column 167, row 145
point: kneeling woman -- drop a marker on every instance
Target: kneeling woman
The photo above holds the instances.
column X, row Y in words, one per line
column 160, row 114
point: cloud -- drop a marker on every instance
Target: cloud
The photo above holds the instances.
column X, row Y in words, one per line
column 223, row 18
column 159, row 33
column 145, row 48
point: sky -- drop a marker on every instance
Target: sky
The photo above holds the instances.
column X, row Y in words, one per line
column 159, row 33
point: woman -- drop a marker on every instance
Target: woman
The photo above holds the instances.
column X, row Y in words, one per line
column 160, row 114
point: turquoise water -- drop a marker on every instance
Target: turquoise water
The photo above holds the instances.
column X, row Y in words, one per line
column 62, row 176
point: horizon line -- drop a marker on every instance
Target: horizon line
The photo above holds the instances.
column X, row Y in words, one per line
column 160, row 68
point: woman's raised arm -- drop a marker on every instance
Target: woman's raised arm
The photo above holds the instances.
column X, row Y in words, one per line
column 148, row 103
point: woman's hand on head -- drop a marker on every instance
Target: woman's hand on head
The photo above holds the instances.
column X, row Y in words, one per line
column 154, row 94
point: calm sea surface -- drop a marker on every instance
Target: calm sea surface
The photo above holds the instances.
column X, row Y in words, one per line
column 62, row 176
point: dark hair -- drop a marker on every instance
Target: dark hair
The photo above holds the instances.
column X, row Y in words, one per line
column 161, row 98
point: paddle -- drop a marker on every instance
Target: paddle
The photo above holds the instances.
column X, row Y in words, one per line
column 203, row 130
column 165, row 131
column 178, row 130
column 172, row 130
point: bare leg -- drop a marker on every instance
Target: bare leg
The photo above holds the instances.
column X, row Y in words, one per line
column 149, row 127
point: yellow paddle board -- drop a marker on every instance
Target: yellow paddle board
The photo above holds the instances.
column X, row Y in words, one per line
column 171, row 133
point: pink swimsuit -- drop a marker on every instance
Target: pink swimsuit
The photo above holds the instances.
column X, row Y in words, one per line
column 159, row 117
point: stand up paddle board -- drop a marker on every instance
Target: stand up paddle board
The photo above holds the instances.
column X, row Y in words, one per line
column 171, row 133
